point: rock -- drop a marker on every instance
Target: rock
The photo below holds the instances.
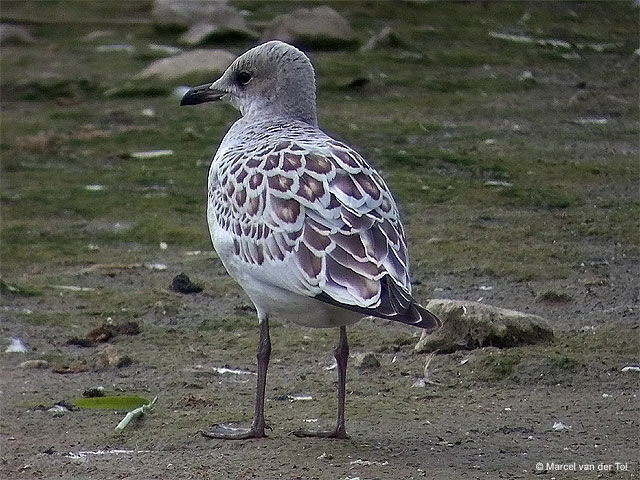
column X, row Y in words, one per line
column 202, row 33
column 35, row 364
column 77, row 366
column 366, row 361
column 320, row 27
column 526, row 76
column 226, row 23
column 183, row 284
column 108, row 356
column 93, row 392
column 179, row 15
column 14, row 35
column 469, row 325
column 199, row 62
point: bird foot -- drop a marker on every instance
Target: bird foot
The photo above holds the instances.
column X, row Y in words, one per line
column 231, row 431
column 336, row 433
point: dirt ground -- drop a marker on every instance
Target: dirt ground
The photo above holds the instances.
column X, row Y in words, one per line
column 487, row 414
column 561, row 242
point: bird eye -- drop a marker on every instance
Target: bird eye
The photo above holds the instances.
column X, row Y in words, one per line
column 243, row 77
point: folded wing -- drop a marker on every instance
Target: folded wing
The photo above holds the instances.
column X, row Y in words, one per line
column 316, row 204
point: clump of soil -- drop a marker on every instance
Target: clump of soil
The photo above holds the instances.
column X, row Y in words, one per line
column 105, row 332
column 183, row 284
column 554, row 296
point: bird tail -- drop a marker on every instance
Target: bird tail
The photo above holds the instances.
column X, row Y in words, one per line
column 395, row 304
column 404, row 308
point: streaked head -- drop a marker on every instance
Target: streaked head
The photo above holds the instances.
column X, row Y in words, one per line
column 273, row 78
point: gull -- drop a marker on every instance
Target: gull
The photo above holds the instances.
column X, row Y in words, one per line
column 300, row 220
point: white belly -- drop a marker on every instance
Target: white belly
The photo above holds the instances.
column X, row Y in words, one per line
column 271, row 288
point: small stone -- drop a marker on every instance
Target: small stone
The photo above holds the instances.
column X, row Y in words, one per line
column 93, row 392
column 158, row 267
column 419, row 383
column 558, row 426
column 76, row 366
column 366, row 361
column 526, row 76
column 107, row 357
column 497, row 183
column 34, row 364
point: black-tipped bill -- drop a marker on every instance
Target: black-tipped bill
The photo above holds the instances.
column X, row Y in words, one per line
column 201, row 94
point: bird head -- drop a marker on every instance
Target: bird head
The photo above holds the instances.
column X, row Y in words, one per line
column 273, row 78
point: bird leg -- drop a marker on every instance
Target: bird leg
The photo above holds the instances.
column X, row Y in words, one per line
column 342, row 356
column 230, row 431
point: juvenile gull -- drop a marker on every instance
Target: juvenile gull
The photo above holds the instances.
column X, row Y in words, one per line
column 301, row 221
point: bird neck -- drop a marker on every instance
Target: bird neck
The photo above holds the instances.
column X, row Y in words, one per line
column 295, row 94
column 290, row 107
column 303, row 109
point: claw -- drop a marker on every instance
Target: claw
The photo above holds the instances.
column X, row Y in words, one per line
column 337, row 433
column 230, row 431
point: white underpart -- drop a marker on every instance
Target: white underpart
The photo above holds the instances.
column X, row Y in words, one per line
column 294, row 213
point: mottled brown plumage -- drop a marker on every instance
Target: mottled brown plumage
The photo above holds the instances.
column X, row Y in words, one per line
column 304, row 224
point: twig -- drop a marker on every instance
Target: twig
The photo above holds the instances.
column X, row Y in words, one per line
column 135, row 414
column 426, row 369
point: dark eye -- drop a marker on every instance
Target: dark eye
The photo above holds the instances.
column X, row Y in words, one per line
column 243, row 77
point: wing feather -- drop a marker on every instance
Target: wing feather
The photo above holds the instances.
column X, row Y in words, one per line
column 315, row 204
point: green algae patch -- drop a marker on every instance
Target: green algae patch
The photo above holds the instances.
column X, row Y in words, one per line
column 121, row 402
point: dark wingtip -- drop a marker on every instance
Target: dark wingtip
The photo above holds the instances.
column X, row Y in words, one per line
column 406, row 309
column 424, row 318
column 395, row 304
